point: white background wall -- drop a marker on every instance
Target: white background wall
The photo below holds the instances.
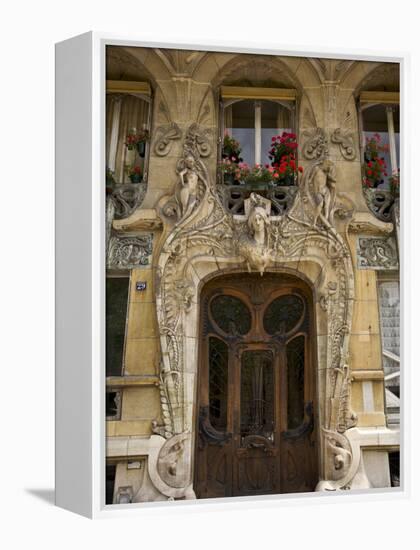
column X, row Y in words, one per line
column 28, row 33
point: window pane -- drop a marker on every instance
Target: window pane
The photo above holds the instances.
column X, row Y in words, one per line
column 132, row 116
column 257, row 393
column 240, row 124
column 295, row 381
column 389, row 302
column 231, row 315
column 275, row 119
column 396, row 118
column 110, row 482
column 375, row 122
column 218, row 383
column 116, row 312
column 283, row 314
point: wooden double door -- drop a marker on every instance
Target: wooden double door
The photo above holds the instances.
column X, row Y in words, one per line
column 256, row 390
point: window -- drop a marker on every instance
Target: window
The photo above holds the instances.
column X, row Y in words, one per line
column 116, row 313
column 389, row 308
column 113, row 405
column 380, row 136
column 128, row 113
column 252, row 116
column 110, row 483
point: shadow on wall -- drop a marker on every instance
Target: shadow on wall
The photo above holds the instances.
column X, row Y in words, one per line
column 47, row 495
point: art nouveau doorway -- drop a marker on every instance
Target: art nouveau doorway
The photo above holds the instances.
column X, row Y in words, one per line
column 256, row 388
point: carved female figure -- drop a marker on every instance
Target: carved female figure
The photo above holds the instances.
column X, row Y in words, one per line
column 323, row 185
column 254, row 245
column 188, row 185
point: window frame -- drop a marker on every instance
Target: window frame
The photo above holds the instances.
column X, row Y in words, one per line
column 390, row 100
column 141, row 90
column 229, row 95
column 388, row 276
column 120, row 274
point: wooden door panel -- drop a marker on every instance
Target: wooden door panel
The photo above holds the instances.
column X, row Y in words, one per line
column 256, row 388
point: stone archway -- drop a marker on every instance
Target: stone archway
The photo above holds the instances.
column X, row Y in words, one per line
column 205, row 241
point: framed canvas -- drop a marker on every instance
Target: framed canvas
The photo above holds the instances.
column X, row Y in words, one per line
column 228, row 274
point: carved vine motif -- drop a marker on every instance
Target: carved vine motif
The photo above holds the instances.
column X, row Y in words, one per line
column 377, row 253
column 129, row 252
column 346, row 142
column 316, row 146
column 165, row 135
column 207, row 235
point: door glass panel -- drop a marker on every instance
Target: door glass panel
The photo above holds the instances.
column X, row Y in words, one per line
column 295, row 353
column 283, row 314
column 231, row 315
column 218, row 383
column 257, row 393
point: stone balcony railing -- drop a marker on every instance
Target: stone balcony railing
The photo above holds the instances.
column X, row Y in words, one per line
column 381, row 203
column 233, row 196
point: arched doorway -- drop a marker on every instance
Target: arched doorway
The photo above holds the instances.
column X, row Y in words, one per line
column 256, row 397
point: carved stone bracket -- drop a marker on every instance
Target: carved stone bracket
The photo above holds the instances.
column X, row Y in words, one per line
column 346, row 142
column 165, row 136
column 377, row 253
column 125, row 252
column 380, row 202
column 127, row 197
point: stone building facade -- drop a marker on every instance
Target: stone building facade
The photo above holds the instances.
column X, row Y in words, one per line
column 325, row 247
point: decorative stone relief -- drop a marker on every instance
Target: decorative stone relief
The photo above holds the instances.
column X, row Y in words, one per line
column 377, row 253
column 165, row 135
column 345, row 140
column 209, row 240
column 192, row 174
column 316, row 146
column 125, row 252
column 126, row 198
column 380, row 202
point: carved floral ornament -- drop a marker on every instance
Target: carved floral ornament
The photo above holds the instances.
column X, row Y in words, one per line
column 316, row 144
column 203, row 240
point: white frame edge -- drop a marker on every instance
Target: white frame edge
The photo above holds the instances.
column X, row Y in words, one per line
column 80, row 279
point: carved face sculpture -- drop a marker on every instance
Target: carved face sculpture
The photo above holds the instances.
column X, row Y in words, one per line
column 189, row 162
column 257, row 220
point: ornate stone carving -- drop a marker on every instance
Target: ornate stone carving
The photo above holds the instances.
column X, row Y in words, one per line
column 233, row 197
column 208, row 240
column 377, row 253
column 165, row 135
column 172, row 466
column 316, row 146
column 125, row 252
column 346, row 142
column 380, row 202
column 192, row 173
column 127, row 197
